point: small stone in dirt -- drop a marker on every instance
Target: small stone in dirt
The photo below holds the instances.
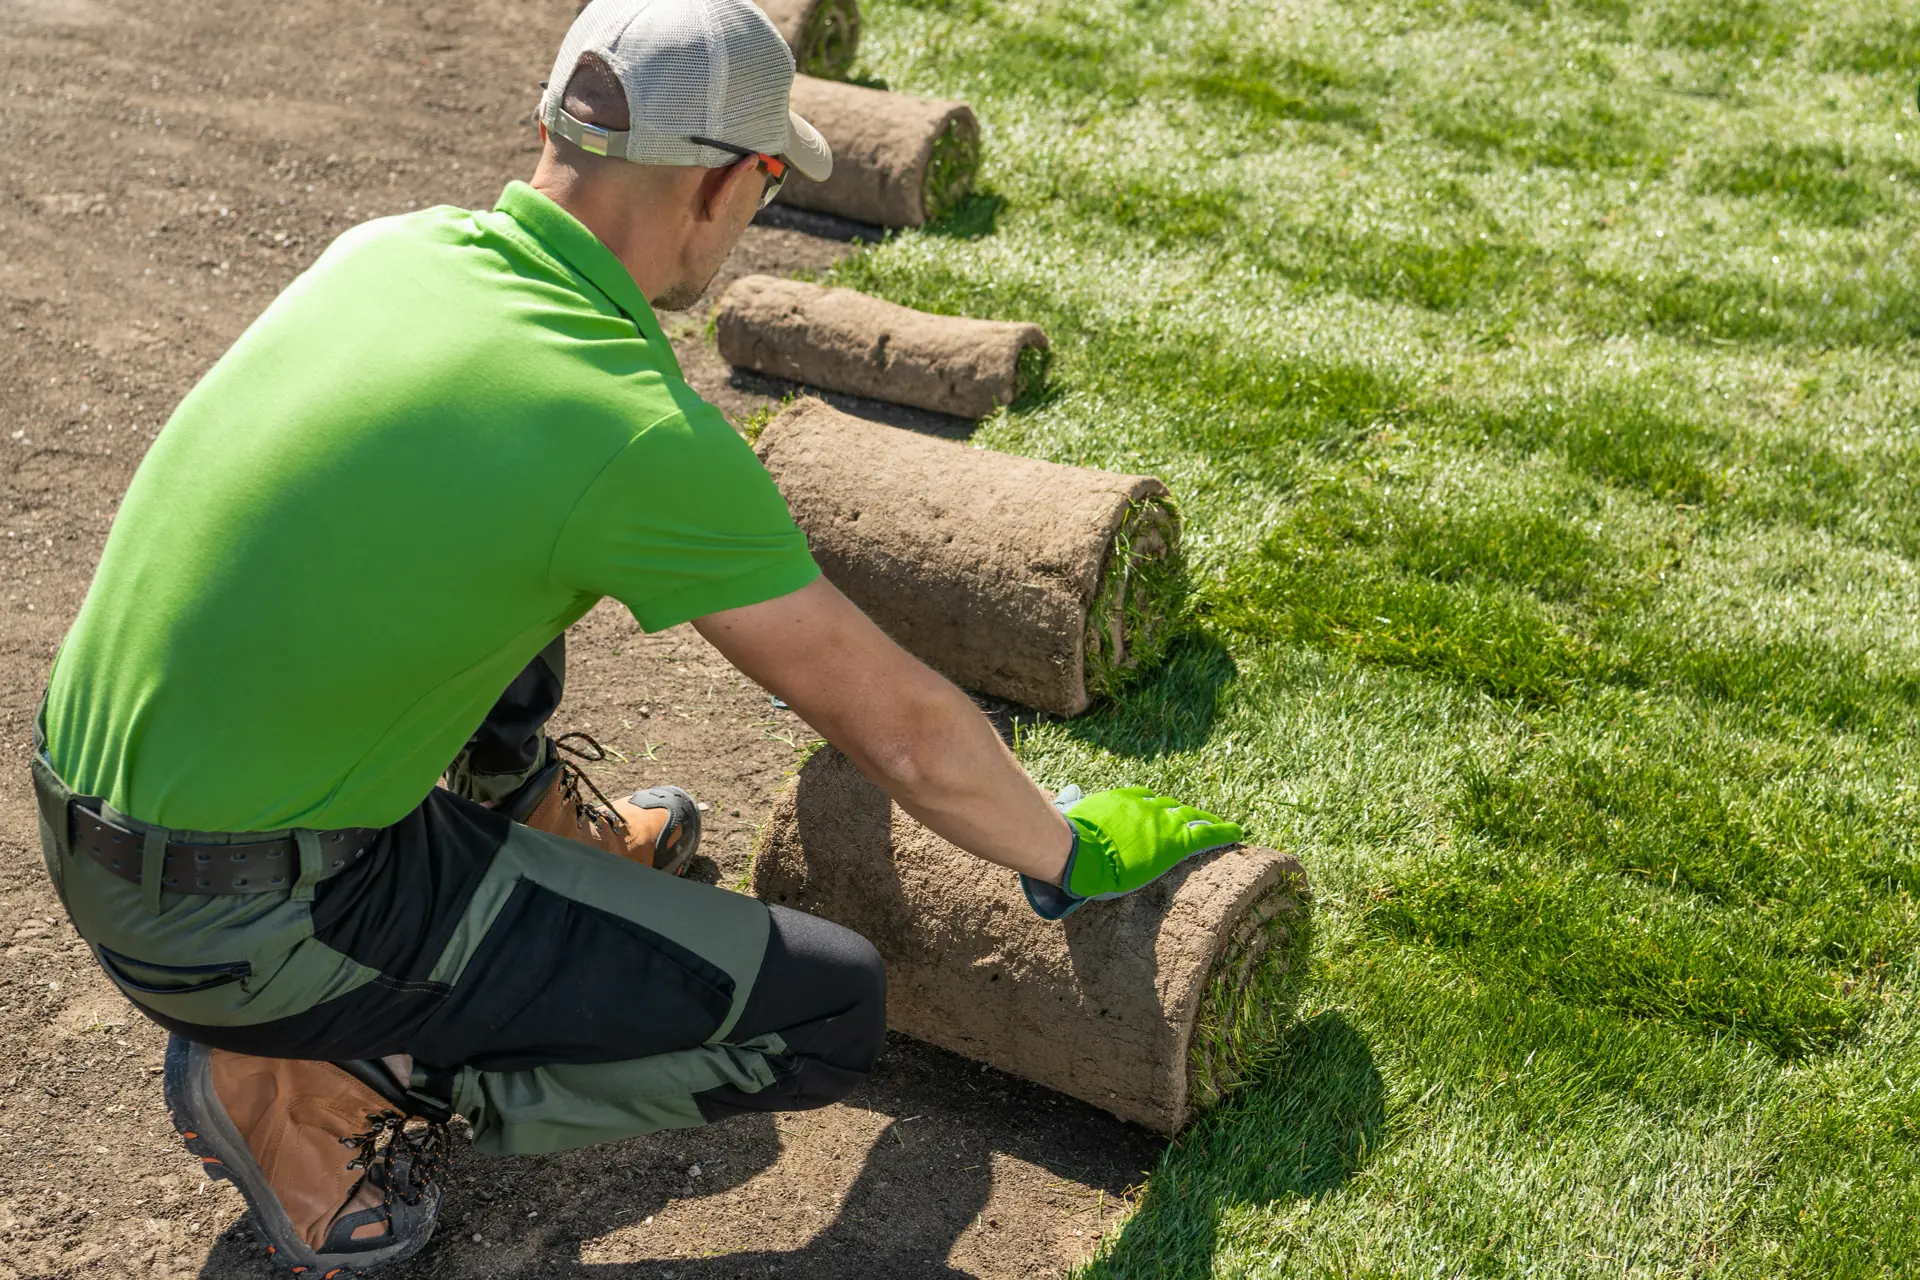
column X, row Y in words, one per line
column 693, row 1171
column 477, row 1239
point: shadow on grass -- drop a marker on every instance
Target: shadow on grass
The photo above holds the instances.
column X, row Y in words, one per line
column 1171, row 708
column 974, row 218
column 1303, row 1126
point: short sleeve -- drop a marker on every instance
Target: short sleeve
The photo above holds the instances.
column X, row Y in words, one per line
column 683, row 522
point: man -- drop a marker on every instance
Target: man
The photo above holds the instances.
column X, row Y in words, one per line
column 438, row 449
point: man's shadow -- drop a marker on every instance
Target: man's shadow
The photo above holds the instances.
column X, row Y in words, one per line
column 1300, row 1128
column 925, row 1180
column 928, row 1176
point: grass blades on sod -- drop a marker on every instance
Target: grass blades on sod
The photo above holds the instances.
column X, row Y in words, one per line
column 951, row 168
column 1140, row 603
column 1251, row 996
column 1539, row 385
column 832, row 39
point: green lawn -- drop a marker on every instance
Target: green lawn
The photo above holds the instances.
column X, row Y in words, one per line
column 1539, row 381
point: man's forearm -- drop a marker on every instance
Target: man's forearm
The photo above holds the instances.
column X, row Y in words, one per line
column 961, row 781
column 905, row 726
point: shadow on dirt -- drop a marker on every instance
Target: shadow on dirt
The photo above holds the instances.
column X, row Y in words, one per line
column 972, row 219
column 894, row 415
column 827, row 226
column 923, row 1182
column 1309, row 1120
column 927, row 1177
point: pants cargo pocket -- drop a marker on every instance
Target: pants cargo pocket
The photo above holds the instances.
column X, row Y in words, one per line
column 555, row 980
column 139, row 977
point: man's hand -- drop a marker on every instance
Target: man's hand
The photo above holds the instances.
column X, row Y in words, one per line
column 905, row 726
column 1124, row 839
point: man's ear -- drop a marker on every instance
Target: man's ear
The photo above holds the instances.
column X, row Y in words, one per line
column 718, row 187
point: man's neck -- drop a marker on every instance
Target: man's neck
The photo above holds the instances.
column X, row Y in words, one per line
column 625, row 217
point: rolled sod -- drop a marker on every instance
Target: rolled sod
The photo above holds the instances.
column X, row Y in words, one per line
column 823, row 34
column 1150, row 1006
column 1043, row 584
column 847, row 341
column 898, row 160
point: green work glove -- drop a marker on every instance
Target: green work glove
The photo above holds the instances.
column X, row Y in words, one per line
column 1123, row 839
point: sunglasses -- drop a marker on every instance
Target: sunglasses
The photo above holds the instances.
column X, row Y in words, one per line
column 773, row 166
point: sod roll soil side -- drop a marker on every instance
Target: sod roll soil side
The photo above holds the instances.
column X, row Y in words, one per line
column 823, row 34
column 898, row 160
column 847, row 341
column 1036, row 582
column 1120, row 1005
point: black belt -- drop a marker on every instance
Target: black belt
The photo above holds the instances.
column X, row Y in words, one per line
column 262, row 866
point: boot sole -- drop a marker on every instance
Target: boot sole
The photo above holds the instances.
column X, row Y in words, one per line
column 209, row 1135
column 683, row 816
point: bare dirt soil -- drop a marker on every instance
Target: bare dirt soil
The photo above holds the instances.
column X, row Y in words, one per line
column 167, row 171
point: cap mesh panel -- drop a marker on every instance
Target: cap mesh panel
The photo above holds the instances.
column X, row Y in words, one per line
column 709, row 68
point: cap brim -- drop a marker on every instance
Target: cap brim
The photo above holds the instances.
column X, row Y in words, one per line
column 807, row 151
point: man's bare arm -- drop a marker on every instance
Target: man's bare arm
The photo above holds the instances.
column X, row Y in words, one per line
column 906, row 726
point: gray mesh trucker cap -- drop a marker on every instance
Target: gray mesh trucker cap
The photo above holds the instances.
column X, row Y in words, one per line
column 713, row 69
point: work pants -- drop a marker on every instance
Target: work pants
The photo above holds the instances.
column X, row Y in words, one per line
column 555, row 994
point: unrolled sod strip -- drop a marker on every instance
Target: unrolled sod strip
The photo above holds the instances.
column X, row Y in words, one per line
column 1150, row 1006
column 823, row 34
column 847, row 341
column 898, row 160
column 1043, row 584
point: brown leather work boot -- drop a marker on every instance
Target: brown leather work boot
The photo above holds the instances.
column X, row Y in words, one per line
column 338, row 1174
column 556, row 800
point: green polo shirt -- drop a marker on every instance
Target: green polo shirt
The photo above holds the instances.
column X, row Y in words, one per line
column 436, row 450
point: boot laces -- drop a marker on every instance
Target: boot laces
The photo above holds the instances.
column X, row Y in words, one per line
column 401, row 1155
column 573, row 778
